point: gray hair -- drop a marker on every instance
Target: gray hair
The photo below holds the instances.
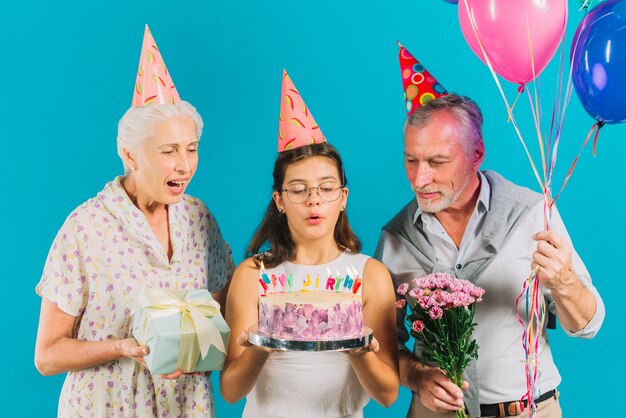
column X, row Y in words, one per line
column 137, row 124
column 465, row 111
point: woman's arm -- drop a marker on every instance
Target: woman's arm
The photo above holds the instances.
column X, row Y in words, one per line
column 56, row 351
column 220, row 297
column 243, row 362
column 377, row 370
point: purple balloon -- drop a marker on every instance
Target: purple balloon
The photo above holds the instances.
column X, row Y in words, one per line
column 452, row 1
column 599, row 62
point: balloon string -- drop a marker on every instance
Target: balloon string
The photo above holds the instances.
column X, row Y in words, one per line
column 537, row 122
column 536, row 108
column 562, row 106
column 520, row 90
column 595, row 140
column 553, row 138
column 569, row 89
column 597, row 125
column 533, row 325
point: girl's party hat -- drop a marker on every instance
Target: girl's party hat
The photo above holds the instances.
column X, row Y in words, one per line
column 420, row 87
column 296, row 126
column 154, row 84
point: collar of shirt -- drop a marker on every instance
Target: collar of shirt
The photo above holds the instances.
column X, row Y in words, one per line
column 446, row 250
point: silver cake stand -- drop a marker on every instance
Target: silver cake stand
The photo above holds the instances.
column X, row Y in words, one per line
column 292, row 345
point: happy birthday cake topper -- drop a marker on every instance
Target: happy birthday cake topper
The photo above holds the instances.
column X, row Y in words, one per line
column 338, row 283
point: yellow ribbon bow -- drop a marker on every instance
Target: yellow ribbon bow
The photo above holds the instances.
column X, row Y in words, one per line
column 198, row 332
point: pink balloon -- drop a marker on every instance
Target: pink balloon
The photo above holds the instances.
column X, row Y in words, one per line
column 503, row 27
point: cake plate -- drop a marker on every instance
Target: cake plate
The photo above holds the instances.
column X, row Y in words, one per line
column 292, row 345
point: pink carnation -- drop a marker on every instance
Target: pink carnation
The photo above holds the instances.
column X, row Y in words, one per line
column 400, row 303
column 435, row 312
column 403, row 288
column 418, row 326
column 426, row 302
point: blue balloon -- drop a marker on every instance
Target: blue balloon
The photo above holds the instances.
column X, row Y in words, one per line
column 452, row 1
column 599, row 62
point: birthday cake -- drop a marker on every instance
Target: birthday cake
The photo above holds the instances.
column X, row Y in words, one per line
column 310, row 315
column 310, row 308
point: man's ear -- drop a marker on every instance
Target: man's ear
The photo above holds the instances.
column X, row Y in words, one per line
column 479, row 155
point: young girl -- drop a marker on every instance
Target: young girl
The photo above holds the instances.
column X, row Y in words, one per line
column 308, row 232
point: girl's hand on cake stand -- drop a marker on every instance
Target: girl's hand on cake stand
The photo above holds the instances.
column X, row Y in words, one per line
column 373, row 347
column 243, row 341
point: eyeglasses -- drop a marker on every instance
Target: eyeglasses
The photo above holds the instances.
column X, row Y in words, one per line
column 299, row 193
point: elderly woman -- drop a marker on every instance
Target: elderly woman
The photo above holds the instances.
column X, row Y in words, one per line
column 140, row 231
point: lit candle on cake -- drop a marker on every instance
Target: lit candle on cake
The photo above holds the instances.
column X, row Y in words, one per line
column 263, row 280
column 338, row 281
column 330, row 282
column 357, row 280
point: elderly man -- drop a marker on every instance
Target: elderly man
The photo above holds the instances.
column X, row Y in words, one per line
column 478, row 226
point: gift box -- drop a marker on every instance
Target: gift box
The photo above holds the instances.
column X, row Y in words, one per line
column 183, row 329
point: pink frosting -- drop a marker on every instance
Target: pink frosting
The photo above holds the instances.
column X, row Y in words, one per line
column 307, row 322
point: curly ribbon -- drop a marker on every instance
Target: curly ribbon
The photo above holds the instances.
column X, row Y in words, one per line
column 198, row 332
column 531, row 336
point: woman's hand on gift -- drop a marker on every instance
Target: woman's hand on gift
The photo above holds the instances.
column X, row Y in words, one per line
column 179, row 373
column 437, row 392
column 172, row 376
column 128, row 347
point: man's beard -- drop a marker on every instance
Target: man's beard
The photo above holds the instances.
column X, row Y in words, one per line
column 447, row 198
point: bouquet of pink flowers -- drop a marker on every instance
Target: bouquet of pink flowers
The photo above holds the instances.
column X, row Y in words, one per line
column 442, row 319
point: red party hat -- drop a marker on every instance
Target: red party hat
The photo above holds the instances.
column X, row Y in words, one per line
column 420, row 87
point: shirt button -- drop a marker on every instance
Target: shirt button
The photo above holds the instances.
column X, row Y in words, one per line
column 458, row 266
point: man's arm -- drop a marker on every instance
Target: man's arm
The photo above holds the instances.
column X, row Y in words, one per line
column 575, row 300
column 433, row 387
column 576, row 305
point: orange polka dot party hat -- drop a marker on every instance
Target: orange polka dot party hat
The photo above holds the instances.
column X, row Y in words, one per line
column 420, row 87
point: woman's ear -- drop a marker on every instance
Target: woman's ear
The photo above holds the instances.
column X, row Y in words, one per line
column 278, row 201
column 344, row 198
column 129, row 159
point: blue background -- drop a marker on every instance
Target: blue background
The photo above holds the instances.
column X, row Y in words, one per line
column 68, row 70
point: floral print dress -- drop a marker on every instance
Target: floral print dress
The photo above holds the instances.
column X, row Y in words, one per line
column 104, row 254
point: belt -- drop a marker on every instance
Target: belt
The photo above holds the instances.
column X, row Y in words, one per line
column 512, row 408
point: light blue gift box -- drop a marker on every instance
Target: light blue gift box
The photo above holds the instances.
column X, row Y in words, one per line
column 161, row 332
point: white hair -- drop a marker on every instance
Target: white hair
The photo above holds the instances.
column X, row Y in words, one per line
column 138, row 123
column 465, row 111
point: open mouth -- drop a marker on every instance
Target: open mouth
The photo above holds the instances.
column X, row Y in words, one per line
column 314, row 219
column 176, row 184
